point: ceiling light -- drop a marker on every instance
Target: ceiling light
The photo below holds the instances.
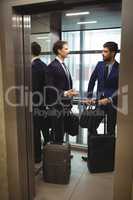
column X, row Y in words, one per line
column 41, row 38
column 77, row 13
column 89, row 22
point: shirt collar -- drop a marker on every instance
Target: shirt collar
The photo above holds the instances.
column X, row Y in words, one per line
column 34, row 58
column 110, row 64
column 59, row 60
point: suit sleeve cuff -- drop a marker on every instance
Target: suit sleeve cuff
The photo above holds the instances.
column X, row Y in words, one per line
column 65, row 93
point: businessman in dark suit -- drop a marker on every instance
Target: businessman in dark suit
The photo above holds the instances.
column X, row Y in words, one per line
column 59, row 78
column 38, row 84
column 107, row 74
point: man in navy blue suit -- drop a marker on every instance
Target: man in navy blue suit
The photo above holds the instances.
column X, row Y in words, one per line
column 60, row 81
column 106, row 73
column 38, row 84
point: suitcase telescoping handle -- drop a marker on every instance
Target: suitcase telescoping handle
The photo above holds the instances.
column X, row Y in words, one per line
column 104, row 119
column 105, row 124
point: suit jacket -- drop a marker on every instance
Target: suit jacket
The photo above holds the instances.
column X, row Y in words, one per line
column 57, row 78
column 106, row 88
column 38, row 78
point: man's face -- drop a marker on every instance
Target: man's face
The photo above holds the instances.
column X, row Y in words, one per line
column 64, row 51
column 107, row 54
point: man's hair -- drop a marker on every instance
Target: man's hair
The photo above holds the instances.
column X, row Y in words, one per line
column 112, row 46
column 35, row 49
column 58, row 46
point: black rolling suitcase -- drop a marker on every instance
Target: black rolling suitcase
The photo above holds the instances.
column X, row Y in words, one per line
column 57, row 163
column 101, row 152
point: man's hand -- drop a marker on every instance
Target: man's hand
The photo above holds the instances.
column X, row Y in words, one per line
column 89, row 101
column 71, row 93
column 104, row 101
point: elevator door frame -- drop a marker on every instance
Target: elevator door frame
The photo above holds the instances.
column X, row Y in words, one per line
column 21, row 32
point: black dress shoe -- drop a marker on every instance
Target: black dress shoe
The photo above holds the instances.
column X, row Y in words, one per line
column 38, row 160
column 84, row 158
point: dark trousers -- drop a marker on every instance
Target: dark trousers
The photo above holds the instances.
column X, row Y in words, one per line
column 111, row 114
column 38, row 126
column 58, row 127
column 57, row 120
column 37, row 138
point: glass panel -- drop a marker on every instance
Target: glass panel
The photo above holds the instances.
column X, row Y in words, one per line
column 94, row 40
column 84, row 135
column 117, row 57
column 90, row 61
column 73, row 39
column 46, row 59
column 43, row 40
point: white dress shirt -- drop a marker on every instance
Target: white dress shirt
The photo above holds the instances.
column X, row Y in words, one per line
column 61, row 62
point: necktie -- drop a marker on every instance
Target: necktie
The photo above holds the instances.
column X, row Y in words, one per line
column 106, row 71
column 67, row 74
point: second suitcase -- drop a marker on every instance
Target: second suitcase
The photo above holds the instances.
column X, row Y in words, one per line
column 57, row 163
column 101, row 153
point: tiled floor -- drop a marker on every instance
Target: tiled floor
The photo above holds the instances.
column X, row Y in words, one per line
column 83, row 185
